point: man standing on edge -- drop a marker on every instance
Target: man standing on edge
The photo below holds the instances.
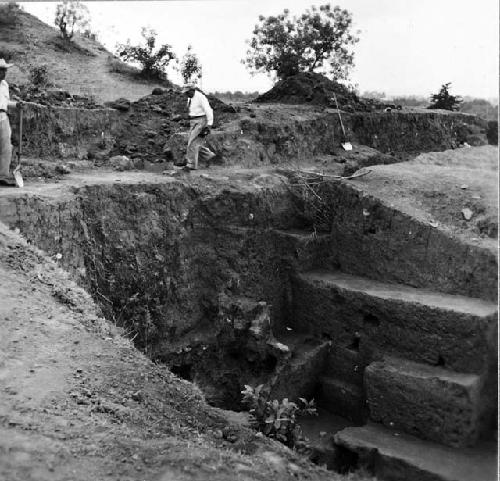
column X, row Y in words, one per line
column 5, row 132
column 201, row 118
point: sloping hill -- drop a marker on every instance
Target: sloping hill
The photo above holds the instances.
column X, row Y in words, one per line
column 81, row 67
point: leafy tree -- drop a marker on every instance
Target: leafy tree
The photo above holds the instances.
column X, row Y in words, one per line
column 443, row 99
column 70, row 15
column 190, row 66
column 153, row 61
column 319, row 39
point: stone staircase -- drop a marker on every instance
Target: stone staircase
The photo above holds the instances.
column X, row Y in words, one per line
column 417, row 367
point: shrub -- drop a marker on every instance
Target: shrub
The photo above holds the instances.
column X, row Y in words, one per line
column 444, row 100
column 6, row 53
column 118, row 66
column 88, row 33
column 276, row 419
column 153, row 61
column 190, row 66
column 9, row 13
column 493, row 132
column 39, row 75
column 70, row 15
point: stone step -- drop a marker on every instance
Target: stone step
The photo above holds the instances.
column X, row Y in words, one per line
column 299, row 375
column 392, row 456
column 426, row 326
column 428, row 402
column 343, row 399
column 345, row 365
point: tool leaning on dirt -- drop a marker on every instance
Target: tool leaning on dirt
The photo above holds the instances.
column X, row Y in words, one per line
column 201, row 118
column 345, row 144
column 17, row 171
column 6, row 179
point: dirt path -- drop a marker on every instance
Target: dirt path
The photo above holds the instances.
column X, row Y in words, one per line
column 78, row 402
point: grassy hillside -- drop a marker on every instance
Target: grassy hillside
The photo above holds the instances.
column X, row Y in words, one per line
column 82, row 66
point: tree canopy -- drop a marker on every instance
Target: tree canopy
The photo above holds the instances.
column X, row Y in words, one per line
column 444, row 100
column 318, row 40
column 71, row 15
column 190, row 69
column 153, row 61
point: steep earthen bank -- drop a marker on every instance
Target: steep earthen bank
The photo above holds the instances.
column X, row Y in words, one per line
column 266, row 134
column 80, row 403
column 62, row 132
column 169, row 259
column 316, row 290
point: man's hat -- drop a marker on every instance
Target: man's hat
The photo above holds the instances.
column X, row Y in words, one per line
column 4, row 64
column 188, row 87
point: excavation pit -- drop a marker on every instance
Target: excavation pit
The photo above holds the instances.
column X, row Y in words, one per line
column 243, row 278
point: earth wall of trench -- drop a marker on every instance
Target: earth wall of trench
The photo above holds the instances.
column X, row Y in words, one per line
column 165, row 260
column 64, row 132
column 57, row 132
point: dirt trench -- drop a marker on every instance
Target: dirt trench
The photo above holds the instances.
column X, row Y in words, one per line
column 200, row 272
column 216, row 276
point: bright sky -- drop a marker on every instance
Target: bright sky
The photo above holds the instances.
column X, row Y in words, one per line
column 406, row 46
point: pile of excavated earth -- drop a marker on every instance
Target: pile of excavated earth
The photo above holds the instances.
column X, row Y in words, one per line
column 315, row 89
column 139, row 301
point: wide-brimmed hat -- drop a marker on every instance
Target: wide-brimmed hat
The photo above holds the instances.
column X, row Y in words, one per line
column 4, row 64
column 188, row 87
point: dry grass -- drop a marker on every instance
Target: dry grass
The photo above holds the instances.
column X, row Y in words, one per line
column 82, row 67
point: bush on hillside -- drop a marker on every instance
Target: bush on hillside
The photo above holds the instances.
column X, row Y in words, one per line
column 6, row 53
column 39, row 75
column 71, row 15
column 88, row 33
column 191, row 69
column 116, row 65
column 153, row 61
column 9, row 13
column 444, row 100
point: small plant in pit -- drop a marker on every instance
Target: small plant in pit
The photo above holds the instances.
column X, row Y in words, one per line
column 276, row 419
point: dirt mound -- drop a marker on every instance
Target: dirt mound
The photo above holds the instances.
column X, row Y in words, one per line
column 315, row 89
column 153, row 119
column 53, row 97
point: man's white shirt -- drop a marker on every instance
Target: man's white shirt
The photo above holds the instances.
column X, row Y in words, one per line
column 198, row 105
column 4, row 95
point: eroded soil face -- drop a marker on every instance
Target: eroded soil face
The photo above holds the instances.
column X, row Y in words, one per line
column 172, row 258
column 79, row 402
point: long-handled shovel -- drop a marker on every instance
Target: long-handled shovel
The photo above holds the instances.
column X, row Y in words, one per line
column 17, row 171
column 345, row 145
